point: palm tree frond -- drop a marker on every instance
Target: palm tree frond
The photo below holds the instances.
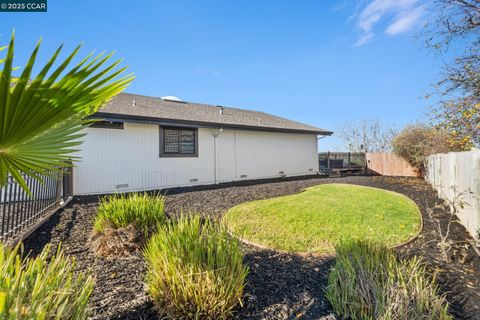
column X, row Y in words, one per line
column 42, row 119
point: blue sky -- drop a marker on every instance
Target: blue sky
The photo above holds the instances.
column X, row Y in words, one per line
column 319, row 62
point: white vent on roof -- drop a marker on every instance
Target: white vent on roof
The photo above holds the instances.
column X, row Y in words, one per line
column 172, row 98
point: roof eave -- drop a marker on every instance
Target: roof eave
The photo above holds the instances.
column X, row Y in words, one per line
column 164, row 121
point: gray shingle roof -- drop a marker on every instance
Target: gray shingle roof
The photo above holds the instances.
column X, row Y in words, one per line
column 156, row 109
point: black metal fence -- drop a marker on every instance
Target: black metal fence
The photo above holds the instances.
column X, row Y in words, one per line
column 19, row 210
column 67, row 183
column 339, row 160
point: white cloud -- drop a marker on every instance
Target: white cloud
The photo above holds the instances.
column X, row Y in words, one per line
column 401, row 16
column 364, row 38
column 405, row 21
column 339, row 6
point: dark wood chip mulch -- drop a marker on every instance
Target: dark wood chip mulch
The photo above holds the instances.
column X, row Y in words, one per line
column 280, row 286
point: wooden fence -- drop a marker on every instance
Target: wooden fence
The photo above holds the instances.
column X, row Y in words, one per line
column 456, row 177
column 388, row 164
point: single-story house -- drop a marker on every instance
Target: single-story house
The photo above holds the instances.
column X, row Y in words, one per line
column 147, row 143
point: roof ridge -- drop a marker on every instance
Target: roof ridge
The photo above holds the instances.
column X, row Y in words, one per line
column 195, row 103
column 127, row 105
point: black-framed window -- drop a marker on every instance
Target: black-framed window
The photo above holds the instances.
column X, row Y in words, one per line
column 178, row 142
column 107, row 124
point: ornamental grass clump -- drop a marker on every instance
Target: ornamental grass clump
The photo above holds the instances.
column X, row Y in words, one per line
column 368, row 281
column 44, row 287
column 195, row 270
column 120, row 210
column 124, row 222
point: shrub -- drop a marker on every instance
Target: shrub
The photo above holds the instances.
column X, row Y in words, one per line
column 124, row 222
column 416, row 142
column 195, row 270
column 355, row 282
column 368, row 281
column 413, row 294
column 42, row 287
column 119, row 211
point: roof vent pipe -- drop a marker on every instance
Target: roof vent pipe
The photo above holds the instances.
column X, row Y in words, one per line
column 220, row 109
column 134, row 103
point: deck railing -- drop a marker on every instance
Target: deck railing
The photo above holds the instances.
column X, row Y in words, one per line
column 19, row 211
column 341, row 160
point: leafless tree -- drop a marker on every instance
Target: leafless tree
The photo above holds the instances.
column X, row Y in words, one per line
column 367, row 136
column 455, row 28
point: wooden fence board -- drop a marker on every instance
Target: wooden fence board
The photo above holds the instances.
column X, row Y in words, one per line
column 389, row 164
column 456, row 177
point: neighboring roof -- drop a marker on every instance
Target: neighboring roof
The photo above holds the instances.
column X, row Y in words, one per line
column 153, row 109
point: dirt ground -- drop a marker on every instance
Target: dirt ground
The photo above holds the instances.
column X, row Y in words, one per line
column 280, row 286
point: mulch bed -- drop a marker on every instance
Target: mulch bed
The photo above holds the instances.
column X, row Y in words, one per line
column 280, row 286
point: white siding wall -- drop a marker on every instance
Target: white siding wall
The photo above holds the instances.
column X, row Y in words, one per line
column 124, row 160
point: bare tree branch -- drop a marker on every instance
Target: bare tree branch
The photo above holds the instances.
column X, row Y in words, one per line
column 456, row 26
column 367, row 136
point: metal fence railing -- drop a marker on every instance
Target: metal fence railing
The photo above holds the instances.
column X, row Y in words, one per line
column 340, row 160
column 67, row 184
column 19, row 210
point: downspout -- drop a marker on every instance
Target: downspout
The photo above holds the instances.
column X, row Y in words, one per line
column 235, row 153
column 215, row 135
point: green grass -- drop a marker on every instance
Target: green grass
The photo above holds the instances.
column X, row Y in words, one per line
column 195, row 270
column 44, row 287
column 320, row 216
column 119, row 211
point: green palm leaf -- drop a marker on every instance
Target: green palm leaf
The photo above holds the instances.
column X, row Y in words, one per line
column 41, row 117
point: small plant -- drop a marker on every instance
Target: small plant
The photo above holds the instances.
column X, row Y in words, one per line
column 412, row 294
column 124, row 222
column 356, row 282
column 42, row 287
column 195, row 270
column 368, row 281
column 119, row 211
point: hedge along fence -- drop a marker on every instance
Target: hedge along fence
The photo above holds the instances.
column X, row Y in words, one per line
column 456, row 177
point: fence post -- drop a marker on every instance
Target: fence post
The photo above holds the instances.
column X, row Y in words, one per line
column 59, row 191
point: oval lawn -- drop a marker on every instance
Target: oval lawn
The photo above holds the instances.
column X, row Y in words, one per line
column 320, row 216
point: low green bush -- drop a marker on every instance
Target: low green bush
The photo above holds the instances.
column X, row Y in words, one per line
column 195, row 270
column 119, row 211
column 368, row 281
column 416, row 142
column 43, row 287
